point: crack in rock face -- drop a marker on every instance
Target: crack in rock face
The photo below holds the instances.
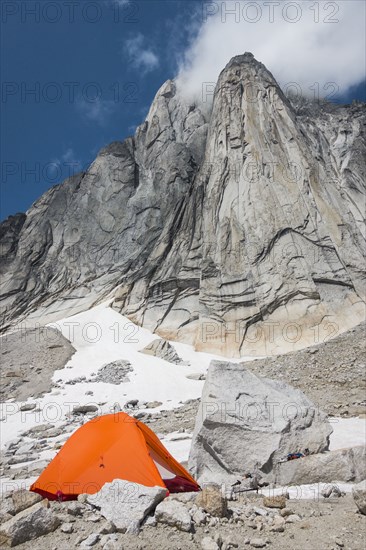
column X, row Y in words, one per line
column 239, row 230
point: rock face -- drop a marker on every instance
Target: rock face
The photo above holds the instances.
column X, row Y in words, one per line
column 239, row 231
column 249, row 424
column 126, row 504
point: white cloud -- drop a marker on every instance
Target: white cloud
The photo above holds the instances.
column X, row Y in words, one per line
column 70, row 157
column 65, row 166
column 304, row 51
column 99, row 110
column 143, row 58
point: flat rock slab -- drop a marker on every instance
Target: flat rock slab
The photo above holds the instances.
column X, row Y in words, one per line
column 23, row 499
column 126, row 504
column 173, row 513
column 341, row 465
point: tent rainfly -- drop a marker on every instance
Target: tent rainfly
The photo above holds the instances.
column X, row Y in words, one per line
column 113, row 446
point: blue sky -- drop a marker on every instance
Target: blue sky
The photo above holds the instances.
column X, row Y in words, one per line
column 78, row 76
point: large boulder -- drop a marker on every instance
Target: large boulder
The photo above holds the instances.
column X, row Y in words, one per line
column 29, row 524
column 246, row 423
column 359, row 496
column 163, row 349
column 343, row 465
column 126, row 504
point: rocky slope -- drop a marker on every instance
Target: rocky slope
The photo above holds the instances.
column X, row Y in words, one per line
column 240, row 230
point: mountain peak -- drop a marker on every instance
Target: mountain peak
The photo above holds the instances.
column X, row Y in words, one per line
column 223, row 231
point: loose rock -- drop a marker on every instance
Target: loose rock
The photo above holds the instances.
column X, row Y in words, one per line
column 212, row 501
column 278, row 501
column 174, row 513
column 29, row 524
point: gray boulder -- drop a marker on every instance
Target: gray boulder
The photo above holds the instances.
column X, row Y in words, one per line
column 343, row 465
column 28, row 525
column 173, row 513
column 359, row 496
column 163, row 349
column 248, row 424
column 126, row 504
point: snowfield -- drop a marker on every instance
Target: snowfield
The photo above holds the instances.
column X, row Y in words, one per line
column 100, row 336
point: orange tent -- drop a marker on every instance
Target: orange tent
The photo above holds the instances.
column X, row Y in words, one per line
column 114, row 446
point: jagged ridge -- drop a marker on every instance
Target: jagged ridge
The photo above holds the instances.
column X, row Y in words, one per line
column 218, row 229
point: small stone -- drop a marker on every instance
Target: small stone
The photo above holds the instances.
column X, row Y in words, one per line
column 278, row 525
column 67, row 528
column 75, row 508
column 278, row 501
column 28, row 407
column 339, row 542
column 107, row 528
column 153, row 404
column 260, row 511
column 293, row 518
column 93, row 518
column 199, row 516
column 327, row 491
column 91, row 540
column 209, row 544
column 258, row 543
column 83, row 409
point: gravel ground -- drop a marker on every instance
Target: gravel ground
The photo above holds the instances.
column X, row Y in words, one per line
column 322, row 523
